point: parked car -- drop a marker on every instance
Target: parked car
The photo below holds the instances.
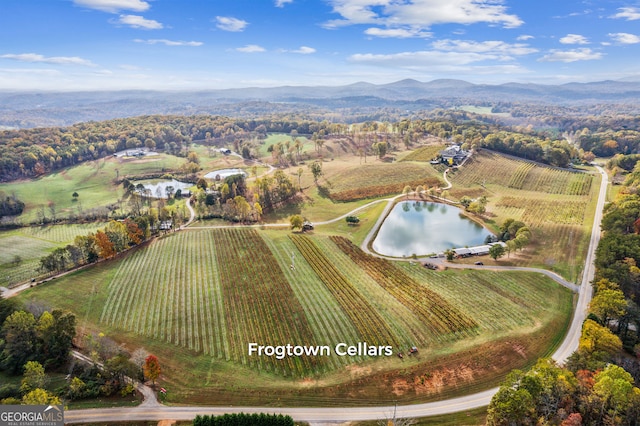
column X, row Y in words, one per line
column 479, row 263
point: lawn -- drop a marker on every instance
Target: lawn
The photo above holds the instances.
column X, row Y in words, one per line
column 93, row 181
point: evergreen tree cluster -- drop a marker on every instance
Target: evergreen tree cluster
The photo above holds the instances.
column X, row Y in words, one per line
column 243, row 419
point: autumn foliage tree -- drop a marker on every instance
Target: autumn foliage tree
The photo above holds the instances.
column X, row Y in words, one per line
column 151, row 368
column 105, row 246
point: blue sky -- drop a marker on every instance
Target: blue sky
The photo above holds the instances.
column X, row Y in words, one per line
column 211, row 44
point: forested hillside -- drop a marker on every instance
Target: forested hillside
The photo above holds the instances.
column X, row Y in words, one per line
column 34, row 152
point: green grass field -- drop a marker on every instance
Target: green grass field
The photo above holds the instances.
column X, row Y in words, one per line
column 32, row 243
column 93, row 181
column 274, row 138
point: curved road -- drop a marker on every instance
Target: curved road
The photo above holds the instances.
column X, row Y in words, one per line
column 323, row 415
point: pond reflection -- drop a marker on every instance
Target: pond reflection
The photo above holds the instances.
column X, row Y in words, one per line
column 420, row 227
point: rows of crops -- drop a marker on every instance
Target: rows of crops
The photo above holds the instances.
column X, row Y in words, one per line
column 554, row 181
column 62, row 233
column 329, row 322
column 564, row 246
column 425, row 153
column 373, row 191
column 176, row 291
column 370, row 325
column 380, row 179
column 518, row 177
column 263, row 310
column 491, row 168
column 498, row 301
column 537, row 212
column 22, row 249
column 436, row 313
column 169, row 291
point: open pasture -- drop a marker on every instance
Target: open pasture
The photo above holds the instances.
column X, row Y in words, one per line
column 283, row 138
column 93, row 181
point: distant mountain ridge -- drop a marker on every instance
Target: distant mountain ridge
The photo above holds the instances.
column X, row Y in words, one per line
column 29, row 109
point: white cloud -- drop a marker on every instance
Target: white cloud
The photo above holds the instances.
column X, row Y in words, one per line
column 228, row 23
column 453, row 56
column 251, row 48
column 397, row 32
column 304, row 50
column 281, row 3
column 421, row 13
column 525, row 37
column 628, row 13
column 574, row 39
column 135, row 21
column 114, row 6
column 493, row 47
column 420, row 59
column 58, row 60
column 625, row 38
column 169, row 42
column 436, row 64
column 582, row 54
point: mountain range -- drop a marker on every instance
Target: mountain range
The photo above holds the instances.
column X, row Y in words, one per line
column 31, row 109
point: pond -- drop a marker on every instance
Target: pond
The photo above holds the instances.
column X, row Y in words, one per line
column 158, row 188
column 223, row 173
column 420, row 227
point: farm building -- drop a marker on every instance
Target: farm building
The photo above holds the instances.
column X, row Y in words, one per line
column 480, row 250
column 462, row 252
column 477, row 250
column 454, row 155
column 165, row 225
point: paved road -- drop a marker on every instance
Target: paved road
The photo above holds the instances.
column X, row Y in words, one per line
column 336, row 415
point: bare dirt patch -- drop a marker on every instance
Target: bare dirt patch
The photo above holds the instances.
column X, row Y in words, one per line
column 400, row 387
column 357, row 371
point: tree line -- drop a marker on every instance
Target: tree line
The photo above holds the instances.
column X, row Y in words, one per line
column 28, row 153
column 115, row 238
column 242, row 419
